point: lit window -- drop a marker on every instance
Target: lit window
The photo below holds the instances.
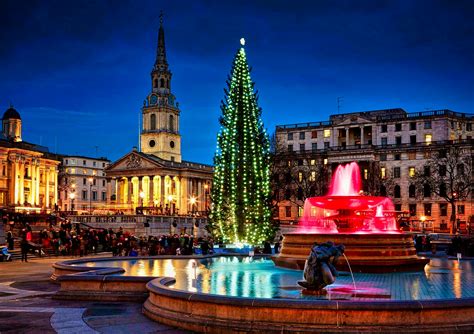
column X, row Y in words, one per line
column 313, row 176
column 428, row 139
column 300, row 177
column 383, row 173
column 411, row 171
column 73, row 170
column 325, row 161
column 366, row 174
column 313, row 162
column 327, row 133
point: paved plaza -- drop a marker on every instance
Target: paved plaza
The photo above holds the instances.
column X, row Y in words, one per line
column 26, row 306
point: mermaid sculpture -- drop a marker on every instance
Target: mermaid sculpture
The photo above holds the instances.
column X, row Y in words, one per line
column 319, row 269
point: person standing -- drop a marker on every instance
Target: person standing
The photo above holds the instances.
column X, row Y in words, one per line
column 10, row 240
column 24, row 246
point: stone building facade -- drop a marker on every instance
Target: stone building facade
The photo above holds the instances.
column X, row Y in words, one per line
column 154, row 176
column 82, row 183
column 399, row 142
column 28, row 172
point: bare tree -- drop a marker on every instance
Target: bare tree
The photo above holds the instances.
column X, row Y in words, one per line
column 449, row 175
column 378, row 182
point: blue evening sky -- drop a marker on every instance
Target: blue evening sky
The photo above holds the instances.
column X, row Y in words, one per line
column 78, row 71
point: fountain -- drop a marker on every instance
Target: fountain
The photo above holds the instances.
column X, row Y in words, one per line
column 366, row 225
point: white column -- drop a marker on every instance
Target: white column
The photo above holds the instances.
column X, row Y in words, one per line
column 347, row 136
column 15, row 182
column 362, row 135
column 37, row 185
column 47, row 187
column 55, row 178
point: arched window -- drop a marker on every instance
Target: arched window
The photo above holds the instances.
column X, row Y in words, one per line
column 426, row 190
column 397, row 192
column 153, row 122
column 412, row 191
column 162, row 83
column 383, row 191
column 171, row 123
column 155, row 83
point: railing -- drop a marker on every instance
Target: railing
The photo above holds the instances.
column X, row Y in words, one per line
column 127, row 219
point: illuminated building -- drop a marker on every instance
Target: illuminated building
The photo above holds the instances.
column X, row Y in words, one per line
column 400, row 143
column 29, row 173
column 156, row 176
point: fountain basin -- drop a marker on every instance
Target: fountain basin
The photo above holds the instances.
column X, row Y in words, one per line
column 371, row 253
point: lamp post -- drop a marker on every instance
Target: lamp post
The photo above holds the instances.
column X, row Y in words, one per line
column 91, row 180
column 422, row 218
column 71, row 201
column 192, row 201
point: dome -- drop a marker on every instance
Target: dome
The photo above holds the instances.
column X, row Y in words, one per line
column 11, row 113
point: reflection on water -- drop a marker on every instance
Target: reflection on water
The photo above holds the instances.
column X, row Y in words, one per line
column 259, row 278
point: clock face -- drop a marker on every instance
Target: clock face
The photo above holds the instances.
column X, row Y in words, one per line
column 172, row 144
column 151, row 143
column 153, row 99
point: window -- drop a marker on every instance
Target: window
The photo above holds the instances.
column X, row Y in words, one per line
column 171, row 123
column 383, row 173
column 427, row 124
column 427, row 154
column 383, row 128
column 327, row 133
column 412, row 191
column 383, row 157
column 314, row 134
column 300, row 176
column 411, row 155
column 288, row 211
column 313, row 162
column 460, row 169
column 73, row 161
column 94, row 195
column 426, row 191
column 398, row 207
column 411, row 171
column 443, row 209
column 326, row 144
column 398, row 140
column 428, row 139
column 397, row 192
column 84, row 181
column 396, row 172
column 384, row 141
column 468, row 126
column 290, row 148
column 397, row 156
column 103, row 183
column 413, row 139
column 412, row 126
column 302, row 135
column 84, row 194
column 427, row 208
column 66, row 162
column 366, row 174
column 412, row 209
column 442, row 170
column 313, row 176
column 104, row 196
column 314, row 146
column 152, row 122
column 325, row 161
column 426, row 171
column 442, row 190
column 84, row 163
column 94, row 181
column 398, row 127
column 300, row 194
column 461, row 209
column 155, row 83
column 300, row 162
column 290, row 135
column 302, row 148
column 103, row 164
column 383, row 191
column 162, row 83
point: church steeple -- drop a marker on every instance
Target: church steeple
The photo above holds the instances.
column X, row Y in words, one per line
column 160, row 62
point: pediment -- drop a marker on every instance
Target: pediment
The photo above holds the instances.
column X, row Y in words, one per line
column 353, row 119
column 133, row 161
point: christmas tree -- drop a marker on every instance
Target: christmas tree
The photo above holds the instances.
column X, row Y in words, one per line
column 241, row 205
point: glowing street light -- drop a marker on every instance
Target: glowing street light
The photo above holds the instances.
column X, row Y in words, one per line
column 142, row 196
column 422, row 218
column 71, row 200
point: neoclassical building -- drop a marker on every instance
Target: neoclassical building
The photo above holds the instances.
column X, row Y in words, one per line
column 29, row 173
column 155, row 176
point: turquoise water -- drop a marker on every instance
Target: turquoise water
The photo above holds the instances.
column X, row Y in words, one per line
column 259, row 278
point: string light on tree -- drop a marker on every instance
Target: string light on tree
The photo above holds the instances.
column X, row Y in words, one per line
column 241, row 193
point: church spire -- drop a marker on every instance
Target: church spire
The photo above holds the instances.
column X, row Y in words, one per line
column 160, row 62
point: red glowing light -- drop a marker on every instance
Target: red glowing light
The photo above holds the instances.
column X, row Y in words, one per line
column 344, row 210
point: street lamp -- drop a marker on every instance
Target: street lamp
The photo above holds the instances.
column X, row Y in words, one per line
column 206, row 188
column 142, row 196
column 422, row 218
column 71, row 202
column 91, row 180
column 170, row 199
column 192, row 200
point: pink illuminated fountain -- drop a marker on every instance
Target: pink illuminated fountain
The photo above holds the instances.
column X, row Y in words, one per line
column 345, row 210
column 366, row 225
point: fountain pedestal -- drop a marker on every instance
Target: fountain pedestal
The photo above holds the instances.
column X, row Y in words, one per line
column 368, row 253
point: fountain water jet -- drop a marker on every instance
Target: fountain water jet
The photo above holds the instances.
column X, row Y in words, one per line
column 366, row 225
